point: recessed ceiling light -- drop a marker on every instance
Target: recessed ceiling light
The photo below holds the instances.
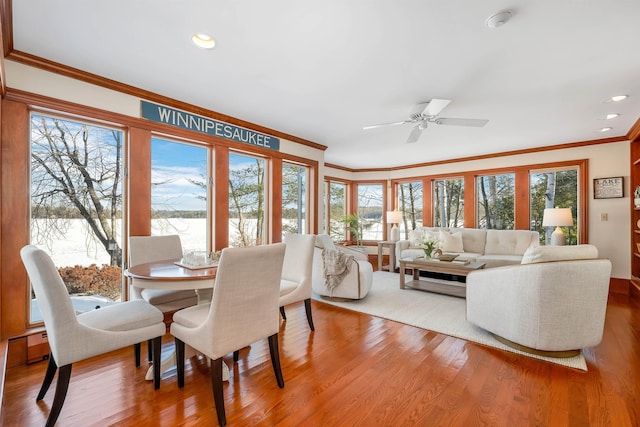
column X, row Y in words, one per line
column 607, row 129
column 203, row 41
column 612, row 116
column 616, row 98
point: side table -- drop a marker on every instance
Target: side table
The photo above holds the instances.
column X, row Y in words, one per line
column 392, row 255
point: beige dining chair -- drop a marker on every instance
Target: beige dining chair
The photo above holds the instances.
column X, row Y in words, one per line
column 243, row 310
column 296, row 273
column 73, row 337
column 144, row 249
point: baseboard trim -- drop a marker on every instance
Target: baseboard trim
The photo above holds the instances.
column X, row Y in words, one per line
column 619, row 286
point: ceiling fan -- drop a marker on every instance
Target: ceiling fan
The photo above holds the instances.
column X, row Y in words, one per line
column 427, row 112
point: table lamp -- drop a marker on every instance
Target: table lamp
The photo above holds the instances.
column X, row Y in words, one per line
column 395, row 218
column 557, row 217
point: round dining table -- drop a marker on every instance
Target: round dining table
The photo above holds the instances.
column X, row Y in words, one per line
column 173, row 275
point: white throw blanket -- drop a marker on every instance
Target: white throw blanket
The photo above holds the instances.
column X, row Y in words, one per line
column 336, row 265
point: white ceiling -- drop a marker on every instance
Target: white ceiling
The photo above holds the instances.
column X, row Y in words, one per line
column 321, row 70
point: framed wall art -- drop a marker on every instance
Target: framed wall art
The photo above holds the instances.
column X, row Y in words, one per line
column 608, row 188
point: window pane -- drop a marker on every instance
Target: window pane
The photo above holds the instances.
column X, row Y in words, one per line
column 294, row 199
column 550, row 189
column 495, row 196
column 337, row 210
column 370, row 207
column 448, row 202
column 411, row 206
column 246, row 200
column 179, row 192
column 76, row 207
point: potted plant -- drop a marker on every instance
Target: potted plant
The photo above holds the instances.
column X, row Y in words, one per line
column 636, row 197
column 354, row 227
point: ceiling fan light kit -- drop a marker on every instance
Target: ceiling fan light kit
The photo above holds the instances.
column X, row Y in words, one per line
column 427, row 112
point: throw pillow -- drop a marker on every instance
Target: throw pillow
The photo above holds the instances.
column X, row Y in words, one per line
column 451, row 242
column 415, row 238
column 323, row 241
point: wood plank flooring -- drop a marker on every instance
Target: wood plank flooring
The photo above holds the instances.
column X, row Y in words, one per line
column 356, row 370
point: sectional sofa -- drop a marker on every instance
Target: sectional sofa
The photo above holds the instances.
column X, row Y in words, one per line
column 495, row 248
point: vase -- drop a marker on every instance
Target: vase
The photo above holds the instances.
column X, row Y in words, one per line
column 427, row 253
column 636, row 202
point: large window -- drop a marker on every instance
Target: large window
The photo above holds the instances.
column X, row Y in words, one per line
column 411, row 206
column 76, row 207
column 370, row 209
column 179, row 180
column 495, row 196
column 448, row 202
column 294, row 198
column 246, row 200
column 335, row 209
column 551, row 189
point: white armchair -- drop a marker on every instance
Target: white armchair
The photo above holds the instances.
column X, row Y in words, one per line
column 354, row 285
column 552, row 304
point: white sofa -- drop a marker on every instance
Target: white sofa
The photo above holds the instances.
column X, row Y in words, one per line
column 555, row 301
column 495, row 248
column 355, row 285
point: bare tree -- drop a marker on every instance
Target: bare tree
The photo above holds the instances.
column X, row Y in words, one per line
column 75, row 171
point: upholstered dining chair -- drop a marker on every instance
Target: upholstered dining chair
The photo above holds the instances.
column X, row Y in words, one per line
column 77, row 337
column 296, row 273
column 243, row 310
column 144, row 249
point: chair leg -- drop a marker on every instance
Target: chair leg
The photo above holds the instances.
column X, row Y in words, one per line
column 236, row 356
column 307, row 307
column 64, row 375
column 216, row 386
column 284, row 316
column 48, row 378
column 157, row 360
column 149, row 350
column 136, row 353
column 275, row 359
column 180, row 362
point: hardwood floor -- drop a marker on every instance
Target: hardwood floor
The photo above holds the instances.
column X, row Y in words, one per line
column 357, row 370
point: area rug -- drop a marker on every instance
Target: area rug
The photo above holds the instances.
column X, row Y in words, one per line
column 439, row 313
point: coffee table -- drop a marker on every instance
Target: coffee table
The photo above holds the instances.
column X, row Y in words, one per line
column 445, row 277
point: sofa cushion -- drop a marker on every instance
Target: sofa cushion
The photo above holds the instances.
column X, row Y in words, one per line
column 451, row 242
column 474, row 239
column 492, row 261
column 559, row 253
column 509, row 242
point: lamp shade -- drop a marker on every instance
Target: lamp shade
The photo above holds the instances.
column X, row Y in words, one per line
column 557, row 217
column 394, row 217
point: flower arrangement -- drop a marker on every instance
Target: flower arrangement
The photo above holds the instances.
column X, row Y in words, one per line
column 430, row 245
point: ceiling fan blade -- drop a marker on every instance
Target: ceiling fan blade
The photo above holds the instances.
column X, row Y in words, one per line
column 415, row 134
column 461, row 122
column 386, row 124
column 435, row 106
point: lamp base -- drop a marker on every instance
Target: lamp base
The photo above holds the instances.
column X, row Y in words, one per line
column 558, row 238
column 395, row 233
